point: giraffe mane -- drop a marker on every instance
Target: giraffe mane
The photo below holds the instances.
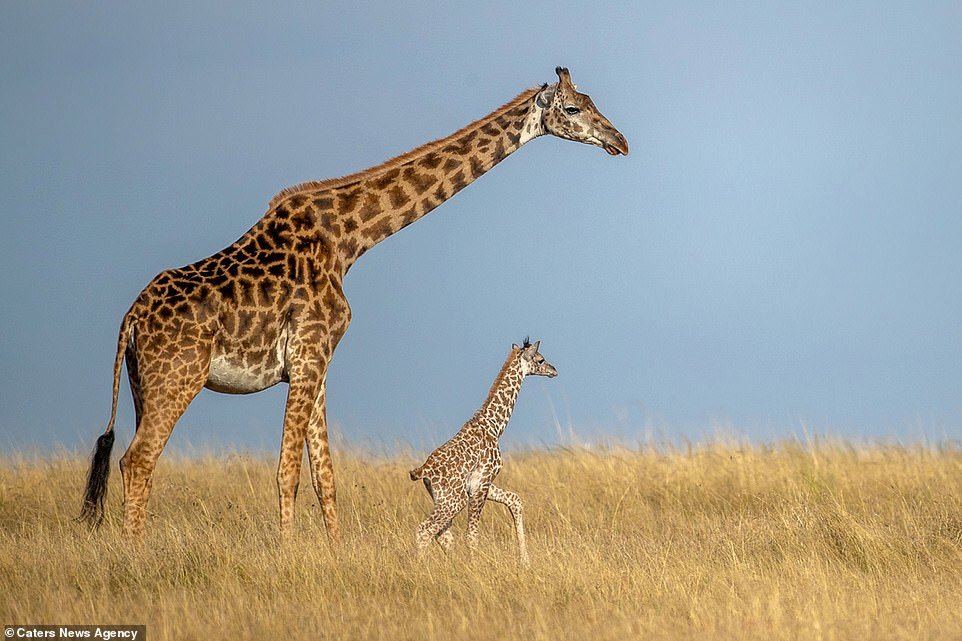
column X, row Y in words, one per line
column 330, row 183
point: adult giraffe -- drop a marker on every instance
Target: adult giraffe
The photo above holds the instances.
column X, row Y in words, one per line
column 270, row 307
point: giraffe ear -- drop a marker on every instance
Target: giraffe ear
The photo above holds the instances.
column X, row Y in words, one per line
column 545, row 96
column 537, row 346
column 515, row 346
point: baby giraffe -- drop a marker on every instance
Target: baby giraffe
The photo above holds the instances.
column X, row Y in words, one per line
column 461, row 472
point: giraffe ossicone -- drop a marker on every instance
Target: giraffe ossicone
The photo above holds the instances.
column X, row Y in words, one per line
column 461, row 472
column 270, row 307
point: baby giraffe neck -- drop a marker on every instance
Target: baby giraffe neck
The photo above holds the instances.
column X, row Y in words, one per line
column 497, row 408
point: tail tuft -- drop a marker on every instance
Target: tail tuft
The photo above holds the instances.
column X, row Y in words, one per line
column 92, row 511
column 93, row 508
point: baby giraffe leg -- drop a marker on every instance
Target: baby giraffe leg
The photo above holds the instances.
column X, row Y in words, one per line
column 437, row 525
column 445, row 537
column 513, row 501
column 475, row 505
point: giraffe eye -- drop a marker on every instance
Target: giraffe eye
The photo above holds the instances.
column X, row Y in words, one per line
column 572, row 110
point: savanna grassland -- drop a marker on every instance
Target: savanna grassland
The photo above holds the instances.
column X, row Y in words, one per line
column 723, row 541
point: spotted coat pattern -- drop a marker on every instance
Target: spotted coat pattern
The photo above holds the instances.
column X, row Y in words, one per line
column 461, row 472
column 271, row 308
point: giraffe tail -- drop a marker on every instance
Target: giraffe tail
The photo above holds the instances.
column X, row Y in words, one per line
column 92, row 511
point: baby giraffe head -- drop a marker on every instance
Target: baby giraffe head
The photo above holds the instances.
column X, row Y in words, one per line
column 573, row 116
column 532, row 362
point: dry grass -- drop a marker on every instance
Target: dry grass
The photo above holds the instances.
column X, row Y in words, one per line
column 725, row 541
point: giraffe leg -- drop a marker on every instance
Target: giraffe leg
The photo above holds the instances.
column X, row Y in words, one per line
column 445, row 537
column 288, row 478
column 322, row 468
column 312, row 341
column 300, row 400
column 168, row 379
column 437, row 524
column 137, row 467
column 513, row 501
column 475, row 505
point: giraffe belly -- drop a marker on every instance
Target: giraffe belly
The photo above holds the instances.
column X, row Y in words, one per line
column 232, row 372
column 230, row 376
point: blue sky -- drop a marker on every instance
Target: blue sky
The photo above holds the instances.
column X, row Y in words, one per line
column 779, row 253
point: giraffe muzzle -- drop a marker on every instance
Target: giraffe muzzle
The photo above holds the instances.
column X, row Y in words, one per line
column 618, row 145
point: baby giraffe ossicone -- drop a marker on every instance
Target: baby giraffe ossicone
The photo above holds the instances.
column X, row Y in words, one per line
column 461, row 472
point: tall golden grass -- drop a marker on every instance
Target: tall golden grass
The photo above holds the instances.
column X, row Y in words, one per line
column 789, row 541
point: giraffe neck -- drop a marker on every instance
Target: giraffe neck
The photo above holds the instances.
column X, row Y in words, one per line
column 494, row 413
column 359, row 211
column 382, row 205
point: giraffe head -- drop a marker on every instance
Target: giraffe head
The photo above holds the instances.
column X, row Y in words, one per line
column 573, row 116
column 532, row 362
